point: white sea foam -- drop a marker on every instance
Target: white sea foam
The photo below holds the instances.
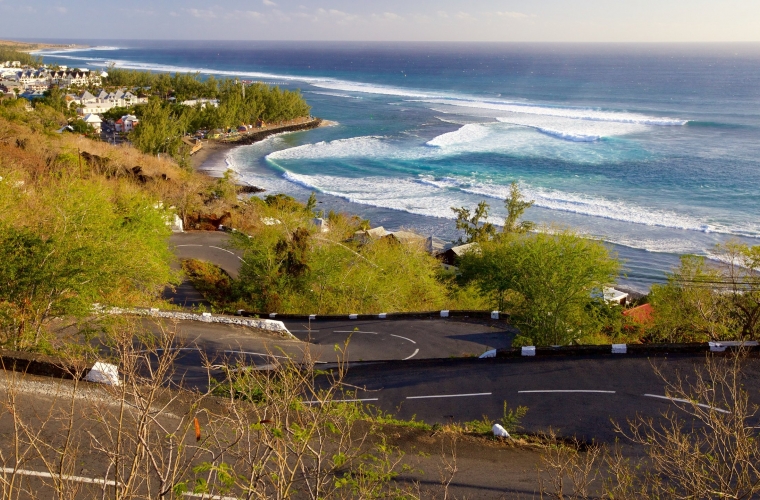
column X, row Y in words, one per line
column 74, row 49
column 595, row 206
column 573, row 129
column 431, row 196
column 468, row 133
column 574, row 113
column 371, row 88
column 364, row 146
column 333, row 94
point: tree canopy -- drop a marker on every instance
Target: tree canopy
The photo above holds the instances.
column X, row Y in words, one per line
column 548, row 282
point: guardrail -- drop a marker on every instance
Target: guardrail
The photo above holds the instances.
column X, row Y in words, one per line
column 621, row 349
column 401, row 315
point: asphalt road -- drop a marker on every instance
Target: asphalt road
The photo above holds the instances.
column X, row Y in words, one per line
column 434, row 376
column 575, row 396
column 210, row 246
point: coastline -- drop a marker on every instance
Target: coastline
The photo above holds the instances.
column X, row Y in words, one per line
column 214, row 149
column 36, row 46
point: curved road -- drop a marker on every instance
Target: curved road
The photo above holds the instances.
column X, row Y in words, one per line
column 369, row 340
column 578, row 396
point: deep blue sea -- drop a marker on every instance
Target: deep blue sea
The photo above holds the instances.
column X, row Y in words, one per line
column 653, row 148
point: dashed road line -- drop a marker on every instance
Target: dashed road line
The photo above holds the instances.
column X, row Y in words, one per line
column 679, row 400
column 255, row 354
column 222, row 249
column 400, row 337
column 339, row 401
column 413, row 355
column 566, row 390
column 450, row 395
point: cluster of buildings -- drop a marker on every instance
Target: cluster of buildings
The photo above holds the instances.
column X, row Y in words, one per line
column 17, row 79
column 88, row 103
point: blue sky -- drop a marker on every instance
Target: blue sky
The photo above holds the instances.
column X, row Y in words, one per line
column 450, row 20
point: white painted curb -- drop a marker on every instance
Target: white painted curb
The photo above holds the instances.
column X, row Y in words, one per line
column 263, row 324
column 353, row 316
column 382, row 316
column 488, row 354
column 312, row 316
column 444, row 314
column 721, row 346
column 104, row 373
column 619, row 348
column 528, row 350
column 494, row 314
column 272, row 315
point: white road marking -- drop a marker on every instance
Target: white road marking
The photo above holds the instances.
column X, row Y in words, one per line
column 76, row 479
column 400, row 337
column 222, row 249
column 353, row 331
column 450, row 395
column 169, row 349
column 567, row 390
column 255, row 354
column 188, row 246
column 93, row 480
column 413, row 355
column 339, row 401
column 678, row 400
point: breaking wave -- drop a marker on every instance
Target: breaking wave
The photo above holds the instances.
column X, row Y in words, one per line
column 573, row 113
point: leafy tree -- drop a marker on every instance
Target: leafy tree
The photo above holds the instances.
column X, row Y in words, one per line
column 546, row 282
column 710, row 301
column 688, row 309
column 474, row 224
column 85, row 243
column 516, row 206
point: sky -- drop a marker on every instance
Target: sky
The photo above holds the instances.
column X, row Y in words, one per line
column 386, row 20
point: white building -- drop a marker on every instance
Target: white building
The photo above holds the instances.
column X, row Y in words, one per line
column 126, row 123
column 94, row 121
column 203, row 102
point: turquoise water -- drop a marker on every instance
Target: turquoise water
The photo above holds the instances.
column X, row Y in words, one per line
column 653, row 148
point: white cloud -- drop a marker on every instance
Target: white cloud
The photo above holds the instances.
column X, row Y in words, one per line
column 391, row 15
column 269, row 3
column 513, row 15
column 338, row 15
column 465, row 16
column 443, row 14
column 201, row 13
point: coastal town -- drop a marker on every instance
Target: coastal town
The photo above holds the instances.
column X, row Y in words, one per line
column 100, row 108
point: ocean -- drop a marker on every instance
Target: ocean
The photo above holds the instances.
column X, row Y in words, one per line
column 653, row 148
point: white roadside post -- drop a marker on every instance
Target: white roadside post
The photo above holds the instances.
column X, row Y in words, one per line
column 619, row 348
column 103, row 373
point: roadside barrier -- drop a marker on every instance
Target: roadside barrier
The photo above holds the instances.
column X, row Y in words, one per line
column 444, row 314
column 263, row 324
column 617, row 349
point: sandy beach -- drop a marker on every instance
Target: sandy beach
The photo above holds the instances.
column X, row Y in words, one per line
column 214, row 150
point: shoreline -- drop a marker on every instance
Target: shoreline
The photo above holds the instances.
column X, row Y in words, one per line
column 214, row 149
column 30, row 47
